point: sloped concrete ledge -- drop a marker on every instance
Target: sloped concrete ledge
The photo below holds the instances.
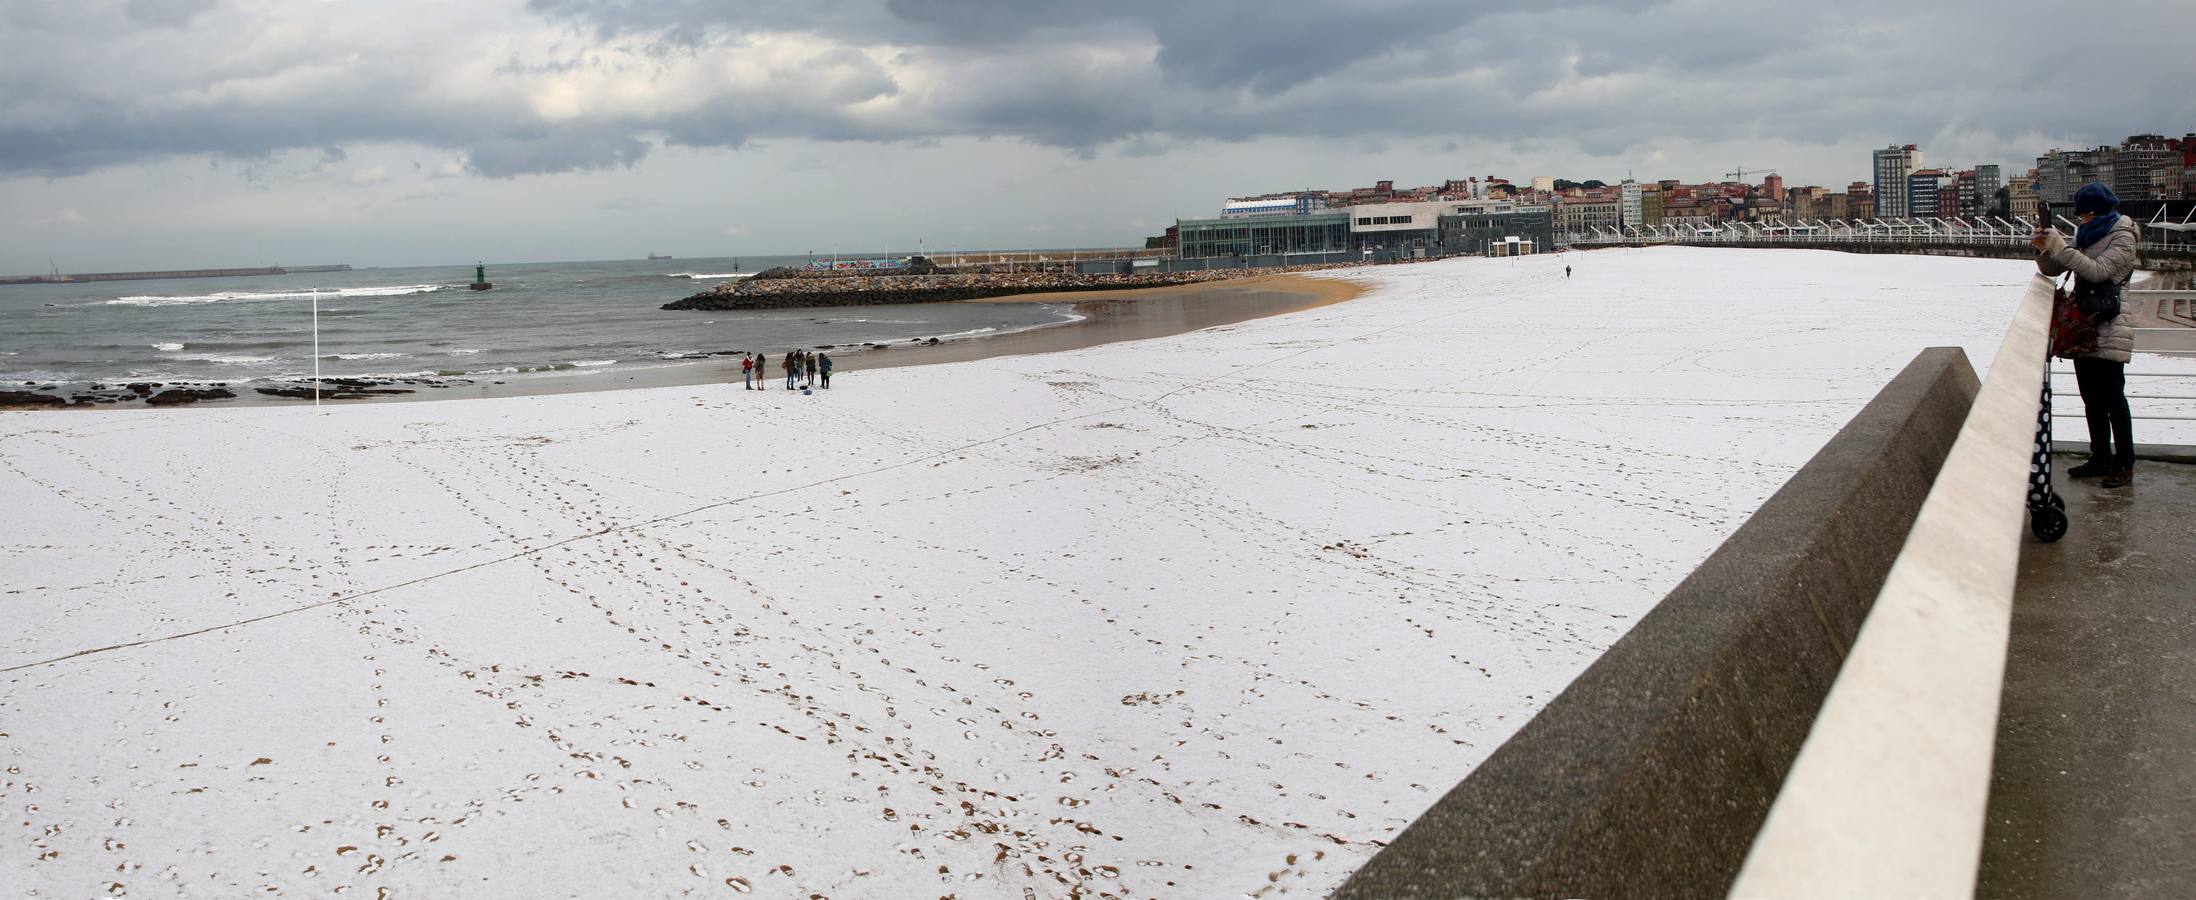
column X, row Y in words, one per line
column 1650, row 775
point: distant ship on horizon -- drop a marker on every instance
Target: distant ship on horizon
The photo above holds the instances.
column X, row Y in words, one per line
column 654, row 255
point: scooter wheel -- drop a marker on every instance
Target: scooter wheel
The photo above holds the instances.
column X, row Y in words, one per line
column 2048, row 524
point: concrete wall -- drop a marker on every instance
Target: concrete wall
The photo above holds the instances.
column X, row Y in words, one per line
column 1888, row 794
column 1650, row 775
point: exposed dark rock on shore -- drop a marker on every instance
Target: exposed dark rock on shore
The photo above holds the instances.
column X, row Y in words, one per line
column 159, row 393
column 331, row 390
column 30, row 399
column 180, row 395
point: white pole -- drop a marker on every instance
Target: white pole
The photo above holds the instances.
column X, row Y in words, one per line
column 316, row 348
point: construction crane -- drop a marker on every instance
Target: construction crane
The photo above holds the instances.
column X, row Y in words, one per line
column 1740, row 175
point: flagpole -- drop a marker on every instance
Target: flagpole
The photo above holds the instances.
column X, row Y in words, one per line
column 316, row 348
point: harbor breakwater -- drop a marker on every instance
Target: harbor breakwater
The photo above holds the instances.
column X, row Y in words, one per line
column 171, row 273
column 781, row 290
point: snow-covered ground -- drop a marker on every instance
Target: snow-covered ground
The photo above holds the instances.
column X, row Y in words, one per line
column 1201, row 616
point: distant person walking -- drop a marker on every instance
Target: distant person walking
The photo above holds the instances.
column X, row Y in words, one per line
column 1566, row 271
column 2102, row 259
column 789, row 371
column 823, row 360
column 747, row 371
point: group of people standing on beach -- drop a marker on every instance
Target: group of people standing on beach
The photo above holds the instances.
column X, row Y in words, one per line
column 802, row 370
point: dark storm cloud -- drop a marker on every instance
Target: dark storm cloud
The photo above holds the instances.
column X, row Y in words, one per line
column 594, row 84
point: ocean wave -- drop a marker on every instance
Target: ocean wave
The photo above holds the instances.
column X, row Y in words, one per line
column 219, row 359
column 963, row 334
column 256, row 296
column 355, row 356
column 468, row 351
column 593, row 363
column 168, row 347
column 701, row 275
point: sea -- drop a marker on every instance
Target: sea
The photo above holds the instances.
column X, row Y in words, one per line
column 563, row 318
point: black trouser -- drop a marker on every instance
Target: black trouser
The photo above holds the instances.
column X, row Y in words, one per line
column 2104, row 398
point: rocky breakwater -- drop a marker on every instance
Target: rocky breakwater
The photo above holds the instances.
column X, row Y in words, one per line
column 787, row 289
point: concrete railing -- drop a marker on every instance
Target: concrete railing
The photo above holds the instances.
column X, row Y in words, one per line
column 1650, row 774
column 1888, row 795
column 1963, row 237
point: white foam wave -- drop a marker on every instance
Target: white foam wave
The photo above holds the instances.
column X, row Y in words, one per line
column 256, row 296
column 371, row 356
column 963, row 334
column 218, row 359
column 169, row 347
column 720, row 276
column 593, row 363
column 468, row 351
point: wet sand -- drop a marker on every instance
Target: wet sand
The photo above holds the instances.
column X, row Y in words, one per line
column 1130, row 315
column 1109, row 317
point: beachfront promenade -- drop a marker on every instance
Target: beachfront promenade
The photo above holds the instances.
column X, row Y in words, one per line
column 1219, row 613
column 2093, row 792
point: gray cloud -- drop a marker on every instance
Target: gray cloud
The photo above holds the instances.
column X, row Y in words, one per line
column 578, row 85
column 167, row 13
column 543, row 151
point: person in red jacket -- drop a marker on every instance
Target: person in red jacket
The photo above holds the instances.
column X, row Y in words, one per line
column 747, row 371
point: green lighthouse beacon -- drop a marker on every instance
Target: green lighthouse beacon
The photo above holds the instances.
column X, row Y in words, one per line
column 480, row 277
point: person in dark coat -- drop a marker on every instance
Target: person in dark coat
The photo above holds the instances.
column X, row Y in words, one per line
column 823, row 363
column 2103, row 257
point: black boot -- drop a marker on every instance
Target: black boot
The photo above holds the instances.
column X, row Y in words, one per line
column 2091, row 469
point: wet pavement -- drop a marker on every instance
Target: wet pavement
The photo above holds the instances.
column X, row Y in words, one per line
column 2094, row 791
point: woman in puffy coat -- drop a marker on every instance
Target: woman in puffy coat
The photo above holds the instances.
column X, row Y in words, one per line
column 2102, row 258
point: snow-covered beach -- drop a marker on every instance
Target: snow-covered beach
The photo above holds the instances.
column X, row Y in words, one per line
column 1204, row 615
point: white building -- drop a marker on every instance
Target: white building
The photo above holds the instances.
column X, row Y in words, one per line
column 1631, row 213
column 1253, row 207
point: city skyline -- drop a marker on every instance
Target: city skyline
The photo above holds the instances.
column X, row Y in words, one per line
column 155, row 133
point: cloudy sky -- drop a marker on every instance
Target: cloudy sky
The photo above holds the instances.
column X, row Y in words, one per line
column 152, row 133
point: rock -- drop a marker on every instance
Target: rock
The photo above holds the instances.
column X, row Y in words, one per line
column 27, row 398
column 334, row 389
column 180, row 395
column 142, row 388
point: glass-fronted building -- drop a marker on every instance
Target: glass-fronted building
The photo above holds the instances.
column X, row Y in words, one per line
column 1323, row 232
column 1475, row 231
